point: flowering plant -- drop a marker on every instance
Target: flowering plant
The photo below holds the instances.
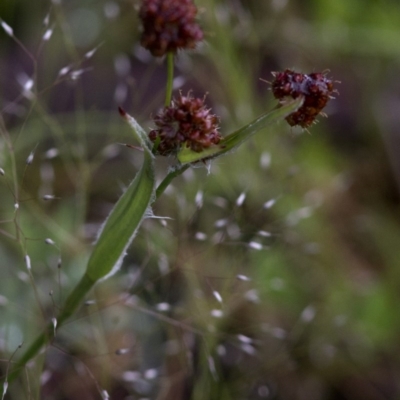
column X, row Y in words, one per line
column 186, row 130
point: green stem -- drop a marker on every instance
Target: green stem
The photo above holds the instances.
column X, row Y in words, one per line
column 74, row 300
column 235, row 139
column 71, row 304
column 168, row 179
column 170, row 78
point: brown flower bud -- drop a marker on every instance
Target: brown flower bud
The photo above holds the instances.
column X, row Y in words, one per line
column 186, row 121
column 316, row 88
column 169, row 25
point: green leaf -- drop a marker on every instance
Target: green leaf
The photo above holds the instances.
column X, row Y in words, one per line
column 236, row 138
column 120, row 227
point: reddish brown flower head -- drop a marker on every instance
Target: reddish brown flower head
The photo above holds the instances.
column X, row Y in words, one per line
column 186, row 122
column 316, row 88
column 169, row 25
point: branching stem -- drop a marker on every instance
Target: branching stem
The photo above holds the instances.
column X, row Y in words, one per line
column 168, row 179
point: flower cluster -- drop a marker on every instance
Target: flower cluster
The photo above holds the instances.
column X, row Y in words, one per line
column 316, row 88
column 169, row 25
column 186, row 121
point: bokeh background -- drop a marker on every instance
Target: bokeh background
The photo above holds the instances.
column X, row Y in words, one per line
column 274, row 274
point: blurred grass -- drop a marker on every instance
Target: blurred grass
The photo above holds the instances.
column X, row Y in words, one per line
column 322, row 303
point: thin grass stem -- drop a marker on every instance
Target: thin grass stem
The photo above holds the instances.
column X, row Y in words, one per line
column 170, row 78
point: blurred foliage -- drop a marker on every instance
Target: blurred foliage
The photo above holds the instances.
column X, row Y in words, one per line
column 318, row 319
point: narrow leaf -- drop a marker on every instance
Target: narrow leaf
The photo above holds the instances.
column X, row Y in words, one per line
column 120, row 227
column 238, row 137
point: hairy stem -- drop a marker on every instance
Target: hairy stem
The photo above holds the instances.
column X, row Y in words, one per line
column 168, row 179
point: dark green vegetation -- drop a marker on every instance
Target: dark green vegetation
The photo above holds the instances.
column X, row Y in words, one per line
column 317, row 320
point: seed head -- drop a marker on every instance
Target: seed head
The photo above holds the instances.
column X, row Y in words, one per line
column 186, row 121
column 316, row 88
column 169, row 25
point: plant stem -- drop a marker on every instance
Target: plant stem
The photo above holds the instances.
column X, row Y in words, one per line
column 170, row 78
column 168, row 179
column 74, row 300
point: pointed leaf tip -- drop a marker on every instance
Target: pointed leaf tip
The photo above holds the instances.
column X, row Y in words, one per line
column 122, row 112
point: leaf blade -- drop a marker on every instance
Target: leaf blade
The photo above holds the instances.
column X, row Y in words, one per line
column 125, row 218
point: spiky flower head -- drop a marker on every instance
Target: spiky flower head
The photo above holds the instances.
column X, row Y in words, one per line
column 316, row 88
column 169, row 25
column 186, row 122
